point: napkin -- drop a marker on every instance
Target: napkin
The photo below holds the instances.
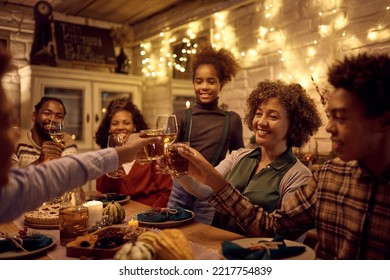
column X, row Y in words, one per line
column 30, row 243
column 166, row 214
column 233, row 251
column 36, row 241
column 5, row 245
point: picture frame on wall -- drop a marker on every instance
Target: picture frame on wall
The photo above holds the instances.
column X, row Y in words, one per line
column 4, row 42
column 4, row 39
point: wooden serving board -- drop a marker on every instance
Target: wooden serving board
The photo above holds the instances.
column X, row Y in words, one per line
column 74, row 250
column 90, row 253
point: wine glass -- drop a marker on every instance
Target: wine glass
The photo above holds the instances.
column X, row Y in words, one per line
column 168, row 124
column 115, row 140
column 57, row 130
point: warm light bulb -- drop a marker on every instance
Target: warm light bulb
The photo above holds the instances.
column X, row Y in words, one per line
column 311, row 51
column 252, row 52
column 372, row 35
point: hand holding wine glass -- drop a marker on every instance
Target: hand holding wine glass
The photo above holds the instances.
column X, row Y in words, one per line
column 53, row 149
column 57, row 130
column 115, row 140
column 168, row 124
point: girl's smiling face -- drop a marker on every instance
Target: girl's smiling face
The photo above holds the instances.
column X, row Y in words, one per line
column 206, row 83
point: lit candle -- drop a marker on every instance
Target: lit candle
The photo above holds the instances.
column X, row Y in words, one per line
column 95, row 212
column 133, row 222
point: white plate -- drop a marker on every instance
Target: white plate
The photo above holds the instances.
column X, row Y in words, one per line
column 9, row 255
column 168, row 224
column 309, row 253
column 203, row 253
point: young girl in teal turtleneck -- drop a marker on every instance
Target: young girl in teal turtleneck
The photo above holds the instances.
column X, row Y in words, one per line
column 209, row 129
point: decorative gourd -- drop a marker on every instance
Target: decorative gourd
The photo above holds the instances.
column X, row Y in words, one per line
column 115, row 212
column 169, row 244
column 135, row 251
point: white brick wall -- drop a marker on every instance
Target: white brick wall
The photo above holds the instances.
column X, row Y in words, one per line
column 298, row 20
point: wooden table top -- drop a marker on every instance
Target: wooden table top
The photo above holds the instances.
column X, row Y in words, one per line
column 202, row 234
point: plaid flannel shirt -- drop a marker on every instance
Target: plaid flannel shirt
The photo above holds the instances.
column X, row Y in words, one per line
column 349, row 208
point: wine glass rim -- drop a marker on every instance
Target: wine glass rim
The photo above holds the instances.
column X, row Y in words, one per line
column 152, row 129
column 57, row 121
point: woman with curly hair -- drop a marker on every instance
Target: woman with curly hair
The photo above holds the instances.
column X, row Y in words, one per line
column 281, row 116
column 347, row 199
column 141, row 182
column 210, row 130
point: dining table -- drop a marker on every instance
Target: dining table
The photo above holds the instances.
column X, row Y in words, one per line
column 204, row 238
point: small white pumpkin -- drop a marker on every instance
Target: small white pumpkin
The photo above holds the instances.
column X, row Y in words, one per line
column 136, row 251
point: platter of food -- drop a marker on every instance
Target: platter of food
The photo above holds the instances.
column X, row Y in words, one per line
column 104, row 243
column 45, row 216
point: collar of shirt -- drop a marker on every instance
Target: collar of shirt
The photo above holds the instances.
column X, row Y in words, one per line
column 281, row 161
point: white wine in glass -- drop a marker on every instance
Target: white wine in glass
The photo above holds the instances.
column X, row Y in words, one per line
column 168, row 124
column 57, row 130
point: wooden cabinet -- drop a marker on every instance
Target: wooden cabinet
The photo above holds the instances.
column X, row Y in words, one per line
column 85, row 94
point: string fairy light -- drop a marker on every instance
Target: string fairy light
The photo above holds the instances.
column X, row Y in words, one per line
column 333, row 30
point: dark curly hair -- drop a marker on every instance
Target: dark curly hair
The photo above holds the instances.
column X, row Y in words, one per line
column 367, row 77
column 223, row 60
column 45, row 99
column 114, row 107
column 304, row 118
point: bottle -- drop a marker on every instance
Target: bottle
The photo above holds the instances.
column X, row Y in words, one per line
column 73, row 215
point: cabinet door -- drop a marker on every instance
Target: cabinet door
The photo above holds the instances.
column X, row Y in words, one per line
column 104, row 93
column 76, row 96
